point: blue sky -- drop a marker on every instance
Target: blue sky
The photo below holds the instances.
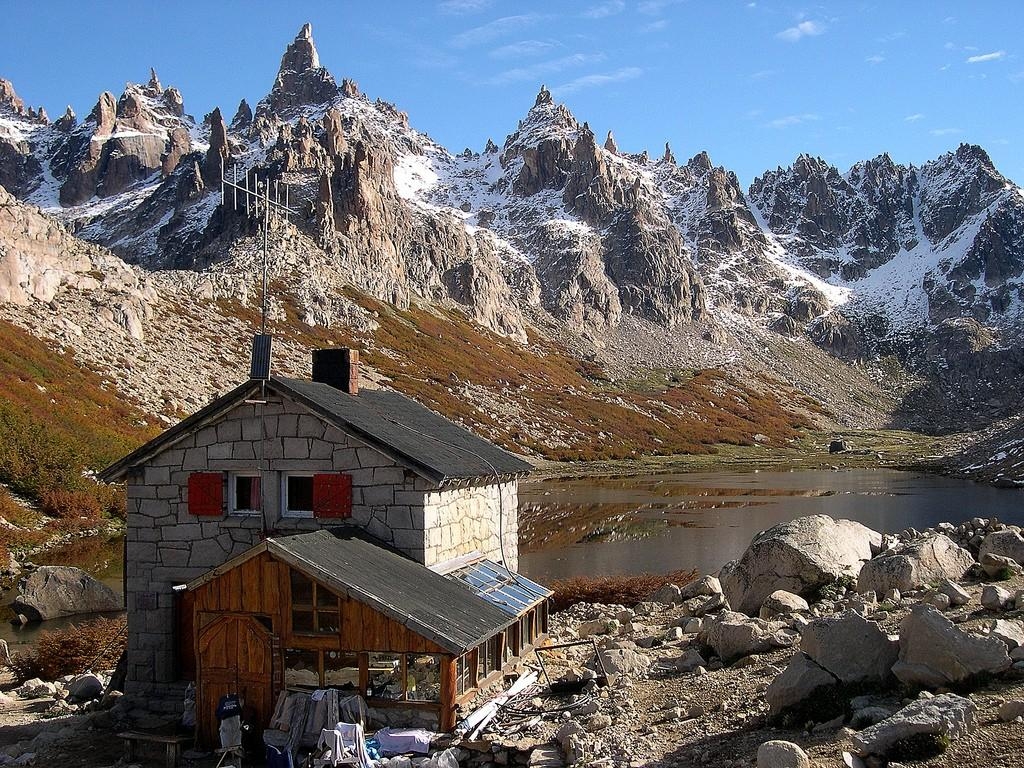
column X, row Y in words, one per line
column 752, row 83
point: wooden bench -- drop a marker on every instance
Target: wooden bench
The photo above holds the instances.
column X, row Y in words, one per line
column 172, row 741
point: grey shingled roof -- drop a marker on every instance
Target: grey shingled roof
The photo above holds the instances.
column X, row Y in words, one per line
column 410, row 433
column 438, row 448
column 347, row 561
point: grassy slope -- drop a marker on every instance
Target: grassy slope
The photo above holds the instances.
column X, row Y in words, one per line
column 59, row 422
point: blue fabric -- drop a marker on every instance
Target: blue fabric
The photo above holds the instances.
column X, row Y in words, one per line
column 277, row 758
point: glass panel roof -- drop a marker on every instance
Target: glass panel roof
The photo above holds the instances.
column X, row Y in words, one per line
column 510, row 592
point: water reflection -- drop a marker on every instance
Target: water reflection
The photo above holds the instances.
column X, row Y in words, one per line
column 701, row 520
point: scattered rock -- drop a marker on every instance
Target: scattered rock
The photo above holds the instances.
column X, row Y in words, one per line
column 995, row 598
column 934, row 653
column 1006, row 543
column 948, row 715
column 851, row 648
column 625, row 661
column 801, row 680
column 732, row 635
column 999, row 566
column 60, row 590
column 799, row 556
column 85, row 687
column 1011, row 710
column 1010, row 632
column 781, row 601
column 705, row 586
column 781, row 754
column 926, row 559
column 957, row 595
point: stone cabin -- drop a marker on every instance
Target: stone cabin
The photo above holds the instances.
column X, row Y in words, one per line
column 299, row 533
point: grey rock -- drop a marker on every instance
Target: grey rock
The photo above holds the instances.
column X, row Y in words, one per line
column 705, row 586
column 926, row 559
column 781, row 601
column 60, row 590
column 625, row 661
column 1006, row 543
column 732, row 635
column 850, row 647
column 799, row 556
column 995, row 598
column 781, row 754
column 867, row 716
column 1011, row 710
column 949, row 715
column 667, row 595
column 934, row 652
column 957, row 595
column 689, row 661
column 1010, row 632
column 938, row 600
column 801, row 679
column 85, row 687
column 999, row 566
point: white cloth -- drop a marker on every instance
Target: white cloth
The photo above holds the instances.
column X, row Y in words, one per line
column 395, row 741
column 344, row 745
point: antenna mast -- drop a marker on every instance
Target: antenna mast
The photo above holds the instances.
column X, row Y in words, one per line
column 256, row 200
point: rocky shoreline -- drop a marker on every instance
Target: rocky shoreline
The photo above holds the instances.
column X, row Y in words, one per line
column 891, row 649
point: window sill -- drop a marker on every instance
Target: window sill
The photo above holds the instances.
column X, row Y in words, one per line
column 245, row 513
column 297, row 515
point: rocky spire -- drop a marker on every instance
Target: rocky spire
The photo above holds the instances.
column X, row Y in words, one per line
column 42, row 117
column 334, row 134
column 301, row 80
column 173, row 101
column 668, row 157
column 243, row 116
column 610, row 145
column 67, row 121
column 104, row 113
column 491, row 147
column 543, row 97
column 9, row 99
column 154, row 86
column 219, row 149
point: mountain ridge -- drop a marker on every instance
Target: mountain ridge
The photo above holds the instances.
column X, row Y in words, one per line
column 553, row 230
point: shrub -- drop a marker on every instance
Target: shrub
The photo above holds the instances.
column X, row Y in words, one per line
column 622, row 589
column 96, row 644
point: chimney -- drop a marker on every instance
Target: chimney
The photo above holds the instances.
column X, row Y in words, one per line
column 338, row 368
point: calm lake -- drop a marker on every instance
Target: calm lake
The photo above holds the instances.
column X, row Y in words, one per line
column 664, row 522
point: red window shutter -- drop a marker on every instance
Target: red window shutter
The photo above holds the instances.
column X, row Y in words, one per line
column 332, row 495
column 205, row 493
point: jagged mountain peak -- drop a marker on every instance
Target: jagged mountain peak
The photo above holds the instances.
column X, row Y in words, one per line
column 300, row 81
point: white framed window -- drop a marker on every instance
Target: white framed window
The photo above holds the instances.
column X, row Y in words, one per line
column 245, row 493
column 297, row 494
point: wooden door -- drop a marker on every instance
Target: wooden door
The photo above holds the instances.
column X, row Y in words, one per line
column 234, row 657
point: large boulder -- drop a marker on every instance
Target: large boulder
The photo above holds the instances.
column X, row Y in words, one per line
column 797, row 683
column 799, row 556
column 947, row 716
column 734, row 635
column 851, row 648
column 934, row 652
column 782, row 754
column 1006, row 543
column 927, row 559
column 61, row 590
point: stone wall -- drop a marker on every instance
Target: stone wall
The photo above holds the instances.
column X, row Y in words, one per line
column 167, row 546
column 467, row 519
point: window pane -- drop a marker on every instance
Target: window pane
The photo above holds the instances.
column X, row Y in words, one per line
column 423, row 677
column 327, row 621
column 302, row 620
column 325, row 598
column 247, row 493
column 385, row 676
column 302, row 589
column 300, row 668
column 300, row 494
column 341, row 670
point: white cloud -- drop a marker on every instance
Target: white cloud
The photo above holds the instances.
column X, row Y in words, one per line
column 876, row 59
column 462, row 7
column 913, row 118
column 493, row 29
column 654, row 7
column 598, row 80
column 994, row 56
column 523, row 48
column 541, row 68
column 762, row 74
column 603, row 10
column 801, row 30
column 945, row 131
column 655, row 26
column 790, row 120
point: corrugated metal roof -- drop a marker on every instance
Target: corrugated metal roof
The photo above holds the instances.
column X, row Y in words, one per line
column 441, row 449
column 348, row 561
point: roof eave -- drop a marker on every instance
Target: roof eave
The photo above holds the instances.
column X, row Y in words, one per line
column 179, row 431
